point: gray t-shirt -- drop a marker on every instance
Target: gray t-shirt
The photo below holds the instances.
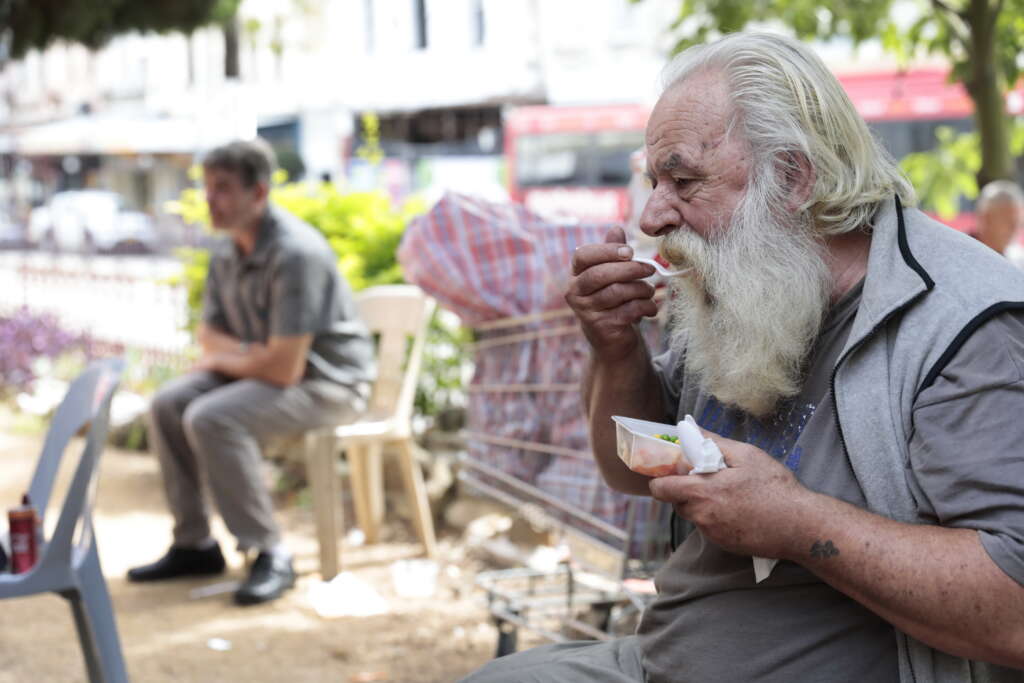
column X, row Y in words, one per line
column 712, row 622
column 289, row 285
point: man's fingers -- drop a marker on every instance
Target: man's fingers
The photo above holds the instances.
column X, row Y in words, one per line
column 602, row 274
column 732, row 451
column 616, row 324
column 618, row 293
column 590, row 255
column 673, row 488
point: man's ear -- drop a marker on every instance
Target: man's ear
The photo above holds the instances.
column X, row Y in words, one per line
column 261, row 190
column 797, row 176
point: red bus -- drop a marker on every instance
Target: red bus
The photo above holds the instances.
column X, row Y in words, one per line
column 574, row 161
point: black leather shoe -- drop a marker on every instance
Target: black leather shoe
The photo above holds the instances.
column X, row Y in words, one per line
column 270, row 576
column 180, row 562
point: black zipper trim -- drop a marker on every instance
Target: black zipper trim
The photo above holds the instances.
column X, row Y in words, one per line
column 839, row 423
column 964, row 334
column 835, row 370
column 908, row 256
column 673, row 540
column 910, row 660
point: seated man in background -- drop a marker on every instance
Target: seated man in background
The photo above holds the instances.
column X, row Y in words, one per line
column 1000, row 214
column 282, row 352
column 861, row 369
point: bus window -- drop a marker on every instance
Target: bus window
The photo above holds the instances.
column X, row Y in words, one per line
column 573, row 162
column 552, row 159
column 612, row 150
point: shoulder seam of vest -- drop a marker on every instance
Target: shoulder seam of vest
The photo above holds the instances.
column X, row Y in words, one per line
column 901, row 237
column 962, row 336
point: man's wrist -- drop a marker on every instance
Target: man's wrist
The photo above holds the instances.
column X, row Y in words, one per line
column 810, row 521
column 243, row 347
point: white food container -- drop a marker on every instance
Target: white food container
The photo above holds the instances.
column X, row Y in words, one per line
column 639, row 447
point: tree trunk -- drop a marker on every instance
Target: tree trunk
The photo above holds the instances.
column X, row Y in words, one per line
column 986, row 91
column 231, row 30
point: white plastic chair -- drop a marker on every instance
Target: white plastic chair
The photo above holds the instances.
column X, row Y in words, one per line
column 394, row 313
column 65, row 566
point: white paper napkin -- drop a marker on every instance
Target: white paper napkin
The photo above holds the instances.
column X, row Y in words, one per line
column 702, row 454
column 705, row 457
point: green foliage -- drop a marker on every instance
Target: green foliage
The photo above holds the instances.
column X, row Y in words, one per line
column 946, row 173
column 37, row 23
column 943, row 175
column 945, row 29
column 983, row 41
column 444, row 364
column 370, row 150
column 701, row 20
column 958, row 34
column 363, row 228
column 196, row 263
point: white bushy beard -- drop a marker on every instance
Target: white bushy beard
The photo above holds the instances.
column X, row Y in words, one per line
column 749, row 313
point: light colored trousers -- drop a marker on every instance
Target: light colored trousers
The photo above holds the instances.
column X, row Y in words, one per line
column 610, row 661
column 207, row 427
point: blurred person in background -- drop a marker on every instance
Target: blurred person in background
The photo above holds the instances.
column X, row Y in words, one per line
column 1000, row 214
column 282, row 352
column 859, row 367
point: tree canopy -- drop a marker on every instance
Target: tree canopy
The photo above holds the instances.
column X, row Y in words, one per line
column 37, row 23
column 983, row 40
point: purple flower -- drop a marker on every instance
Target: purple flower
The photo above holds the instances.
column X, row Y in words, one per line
column 26, row 336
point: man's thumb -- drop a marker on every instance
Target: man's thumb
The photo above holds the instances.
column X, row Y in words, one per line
column 616, row 234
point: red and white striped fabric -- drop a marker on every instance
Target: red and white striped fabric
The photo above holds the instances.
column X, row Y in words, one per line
column 490, row 262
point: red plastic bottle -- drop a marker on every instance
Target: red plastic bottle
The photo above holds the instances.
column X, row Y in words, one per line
column 24, row 550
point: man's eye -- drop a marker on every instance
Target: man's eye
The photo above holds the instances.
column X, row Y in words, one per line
column 683, row 183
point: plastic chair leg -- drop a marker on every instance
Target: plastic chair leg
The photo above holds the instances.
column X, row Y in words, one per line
column 97, row 628
column 375, row 483
column 360, row 493
column 417, row 492
column 323, row 481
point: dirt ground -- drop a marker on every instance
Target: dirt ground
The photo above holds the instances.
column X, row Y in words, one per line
column 167, row 635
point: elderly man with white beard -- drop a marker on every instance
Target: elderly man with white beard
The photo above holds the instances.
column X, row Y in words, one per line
column 861, row 368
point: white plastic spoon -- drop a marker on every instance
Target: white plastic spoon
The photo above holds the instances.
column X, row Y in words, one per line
column 662, row 270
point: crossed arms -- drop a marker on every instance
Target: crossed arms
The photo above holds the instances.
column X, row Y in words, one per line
column 281, row 361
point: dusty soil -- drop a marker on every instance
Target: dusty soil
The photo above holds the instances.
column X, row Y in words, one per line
column 166, row 634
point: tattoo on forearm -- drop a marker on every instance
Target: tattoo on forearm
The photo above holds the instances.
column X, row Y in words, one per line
column 824, row 550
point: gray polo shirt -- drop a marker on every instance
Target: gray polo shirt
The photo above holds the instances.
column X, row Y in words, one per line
column 711, row 622
column 289, row 286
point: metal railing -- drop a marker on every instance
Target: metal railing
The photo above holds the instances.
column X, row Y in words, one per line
column 121, row 303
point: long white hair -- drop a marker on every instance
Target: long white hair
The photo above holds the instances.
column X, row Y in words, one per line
column 788, row 103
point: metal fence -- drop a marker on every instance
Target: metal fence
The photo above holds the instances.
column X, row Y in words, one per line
column 123, row 303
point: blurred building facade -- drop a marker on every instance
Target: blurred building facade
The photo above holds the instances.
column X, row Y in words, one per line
column 134, row 115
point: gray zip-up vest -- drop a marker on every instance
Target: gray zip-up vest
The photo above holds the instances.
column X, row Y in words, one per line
column 927, row 289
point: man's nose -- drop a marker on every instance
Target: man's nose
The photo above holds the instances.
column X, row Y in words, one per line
column 659, row 217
